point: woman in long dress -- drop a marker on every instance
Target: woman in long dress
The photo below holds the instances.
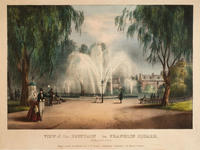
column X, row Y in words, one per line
column 33, row 113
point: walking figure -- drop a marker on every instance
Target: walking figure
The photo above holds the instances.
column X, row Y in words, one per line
column 121, row 96
column 51, row 96
column 33, row 113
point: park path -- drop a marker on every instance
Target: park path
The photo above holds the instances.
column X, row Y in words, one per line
column 85, row 114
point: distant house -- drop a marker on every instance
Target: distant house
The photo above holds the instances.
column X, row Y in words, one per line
column 153, row 80
column 115, row 83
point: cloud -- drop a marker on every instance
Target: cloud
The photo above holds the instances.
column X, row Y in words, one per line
column 101, row 28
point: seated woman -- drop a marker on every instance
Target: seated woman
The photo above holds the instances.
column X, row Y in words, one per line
column 33, row 113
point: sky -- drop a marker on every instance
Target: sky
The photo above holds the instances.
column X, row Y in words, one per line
column 99, row 26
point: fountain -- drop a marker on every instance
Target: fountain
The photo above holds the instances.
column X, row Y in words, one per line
column 91, row 73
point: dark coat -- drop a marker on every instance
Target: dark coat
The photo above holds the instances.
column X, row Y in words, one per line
column 40, row 97
column 51, row 93
column 121, row 96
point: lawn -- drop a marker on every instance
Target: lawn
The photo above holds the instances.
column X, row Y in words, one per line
column 14, row 106
column 182, row 106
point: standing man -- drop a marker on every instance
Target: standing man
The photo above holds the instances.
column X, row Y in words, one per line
column 121, row 96
column 51, row 97
column 41, row 102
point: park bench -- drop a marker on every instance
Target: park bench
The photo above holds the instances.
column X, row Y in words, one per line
column 57, row 99
column 145, row 100
column 98, row 99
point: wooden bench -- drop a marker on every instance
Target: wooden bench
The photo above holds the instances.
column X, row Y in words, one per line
column 145, row 100
column 57, row 99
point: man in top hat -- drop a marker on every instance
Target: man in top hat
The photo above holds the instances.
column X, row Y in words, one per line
column 41, row 102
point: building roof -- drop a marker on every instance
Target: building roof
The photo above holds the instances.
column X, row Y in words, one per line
column 152, row 77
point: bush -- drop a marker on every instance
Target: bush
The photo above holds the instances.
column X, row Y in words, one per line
column 178, row 90
column 14, row 106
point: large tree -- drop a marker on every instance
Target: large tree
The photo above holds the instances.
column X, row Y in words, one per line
column 34, row 32
column 165, row 32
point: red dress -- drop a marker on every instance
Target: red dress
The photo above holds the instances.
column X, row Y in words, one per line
column 33, row 113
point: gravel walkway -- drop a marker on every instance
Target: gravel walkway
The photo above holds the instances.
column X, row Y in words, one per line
column 85, row 114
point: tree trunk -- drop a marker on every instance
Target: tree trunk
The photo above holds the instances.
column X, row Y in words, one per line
column 165, row 101
column 10, row 91
column 24, row 73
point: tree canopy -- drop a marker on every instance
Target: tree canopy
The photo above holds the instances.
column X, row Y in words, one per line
column 40, row 29
column 34, row 34
column 165, row 32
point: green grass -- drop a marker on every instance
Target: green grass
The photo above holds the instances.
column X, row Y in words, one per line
column 181, row 106
column 14, row 106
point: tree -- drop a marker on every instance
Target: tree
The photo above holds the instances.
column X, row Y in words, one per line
column 12, row 76
column 149, row 89
column 34, row 32
column 178, row 71
column 189, row 80
column 178, row 75
column 60, row 64
column 163, row 34
column 84, row 49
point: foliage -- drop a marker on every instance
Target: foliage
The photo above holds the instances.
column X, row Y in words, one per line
column 116, row 92
column 84, row 49
column 161, row 90
column 59, row 69
column 14, row 106
column 102, row 44
column 34, row 34
column 189, row 81
column 178, row 90
column 40, row 29
column 160, row 29
column 181, row 80
column 163, row 34
column 178, row 72
column 149, row 89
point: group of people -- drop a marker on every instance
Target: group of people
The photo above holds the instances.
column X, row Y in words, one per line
column 37, row 104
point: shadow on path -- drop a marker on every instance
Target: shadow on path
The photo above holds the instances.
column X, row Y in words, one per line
column 175, row 121
column 22, row 119
column 141, row 106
